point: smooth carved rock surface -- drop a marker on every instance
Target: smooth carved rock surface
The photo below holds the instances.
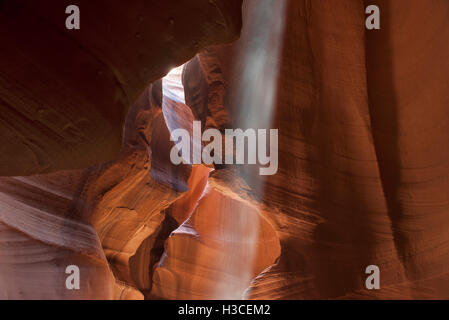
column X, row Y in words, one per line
column 105, row 219
column 64, row 94
column 125, row 199
column 218, row 251
column 363, row 168
column 40, row 235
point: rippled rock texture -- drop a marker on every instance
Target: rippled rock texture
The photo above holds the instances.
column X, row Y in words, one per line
column 86, row 126
column 362, row 167
column 65, row 92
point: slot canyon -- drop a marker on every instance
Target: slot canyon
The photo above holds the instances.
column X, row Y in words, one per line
column 86, row 123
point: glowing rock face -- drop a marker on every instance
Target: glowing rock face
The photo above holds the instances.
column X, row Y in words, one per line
column 363, row 162
column 217, row 252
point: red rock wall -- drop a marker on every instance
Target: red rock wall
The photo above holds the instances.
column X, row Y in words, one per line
column 361, row 117
column 362, row 178
column 65, row 92
column 63, row 107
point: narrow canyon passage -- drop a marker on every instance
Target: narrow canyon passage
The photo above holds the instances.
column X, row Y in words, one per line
column 223, row 242
column 94, row 173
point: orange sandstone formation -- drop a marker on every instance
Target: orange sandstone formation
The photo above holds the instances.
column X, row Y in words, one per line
column 362, row 117
column 218, row 251
column 65, row 93
column 363, row 164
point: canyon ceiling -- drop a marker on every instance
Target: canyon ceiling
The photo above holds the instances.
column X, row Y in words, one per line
column 86, row 177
